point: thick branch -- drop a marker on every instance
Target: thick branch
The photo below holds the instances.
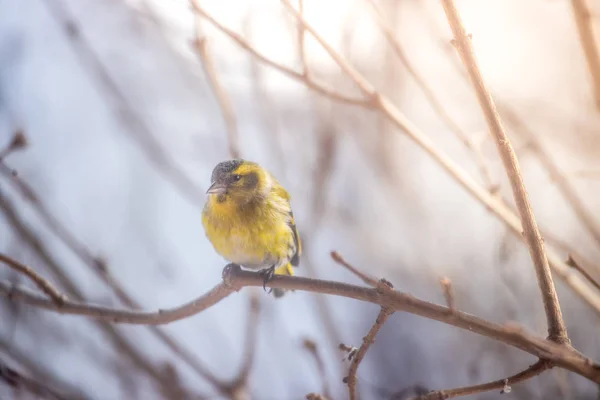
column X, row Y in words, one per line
column 501, row 384
column 234, row 278
column 557, row 330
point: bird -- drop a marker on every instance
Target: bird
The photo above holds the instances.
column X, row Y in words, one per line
column 249, row 221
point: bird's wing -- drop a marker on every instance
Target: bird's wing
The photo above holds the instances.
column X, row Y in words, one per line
column 295, row 260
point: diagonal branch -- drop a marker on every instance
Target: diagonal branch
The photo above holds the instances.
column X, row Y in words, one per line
column 501, row 384
column 557, row 330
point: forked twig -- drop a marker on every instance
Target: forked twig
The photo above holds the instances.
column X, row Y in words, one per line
column 45, row 286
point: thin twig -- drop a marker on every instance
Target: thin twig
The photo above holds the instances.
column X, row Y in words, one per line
column 309, row 82
column 361, row 275
column 583, row 20
column 369, row 339
column 501, row 384
column 234, row 279
column 572, row 263
column 448, row 293
column 436, row 104
column 489, row 200
column 557, row 330
column 44, row 285
column 311, row 346
column 201, row 47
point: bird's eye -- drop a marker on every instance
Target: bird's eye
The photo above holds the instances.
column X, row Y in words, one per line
column 237, row 177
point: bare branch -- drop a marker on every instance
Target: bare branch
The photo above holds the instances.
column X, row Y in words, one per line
column 557, row 330
column 583, row 20
column 201, row 46
column 572, row 263
column 491, row 202
column 361, row 275
column 383, row 316
column 45, row 286
column 234, row 279
column 502, row 384
column 331, row 93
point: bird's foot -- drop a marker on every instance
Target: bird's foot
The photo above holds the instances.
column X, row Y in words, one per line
column 267, row 275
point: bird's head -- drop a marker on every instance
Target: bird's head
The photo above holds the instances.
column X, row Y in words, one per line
column 240, row 181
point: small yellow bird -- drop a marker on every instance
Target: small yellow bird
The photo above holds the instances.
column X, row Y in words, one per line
column 249, row 221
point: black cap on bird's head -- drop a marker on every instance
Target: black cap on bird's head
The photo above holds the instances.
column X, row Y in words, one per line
column 222, row 176
column 236, row 177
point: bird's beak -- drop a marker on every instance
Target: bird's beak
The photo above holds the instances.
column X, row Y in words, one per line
column 217, row 188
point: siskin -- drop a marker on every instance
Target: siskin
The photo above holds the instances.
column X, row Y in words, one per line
column 249, row 221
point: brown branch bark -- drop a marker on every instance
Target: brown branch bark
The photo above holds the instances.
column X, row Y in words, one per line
column 496, row 206
column 557, row 330
column 369, row 339
column 583, row 21
column 501, row 384
column 234, row 279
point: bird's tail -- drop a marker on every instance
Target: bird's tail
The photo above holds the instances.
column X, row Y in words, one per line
column 285, row 270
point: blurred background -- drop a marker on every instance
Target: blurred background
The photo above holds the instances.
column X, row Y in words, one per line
column 128, row 105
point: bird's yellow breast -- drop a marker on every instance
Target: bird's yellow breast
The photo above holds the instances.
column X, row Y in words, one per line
column 255, row 235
